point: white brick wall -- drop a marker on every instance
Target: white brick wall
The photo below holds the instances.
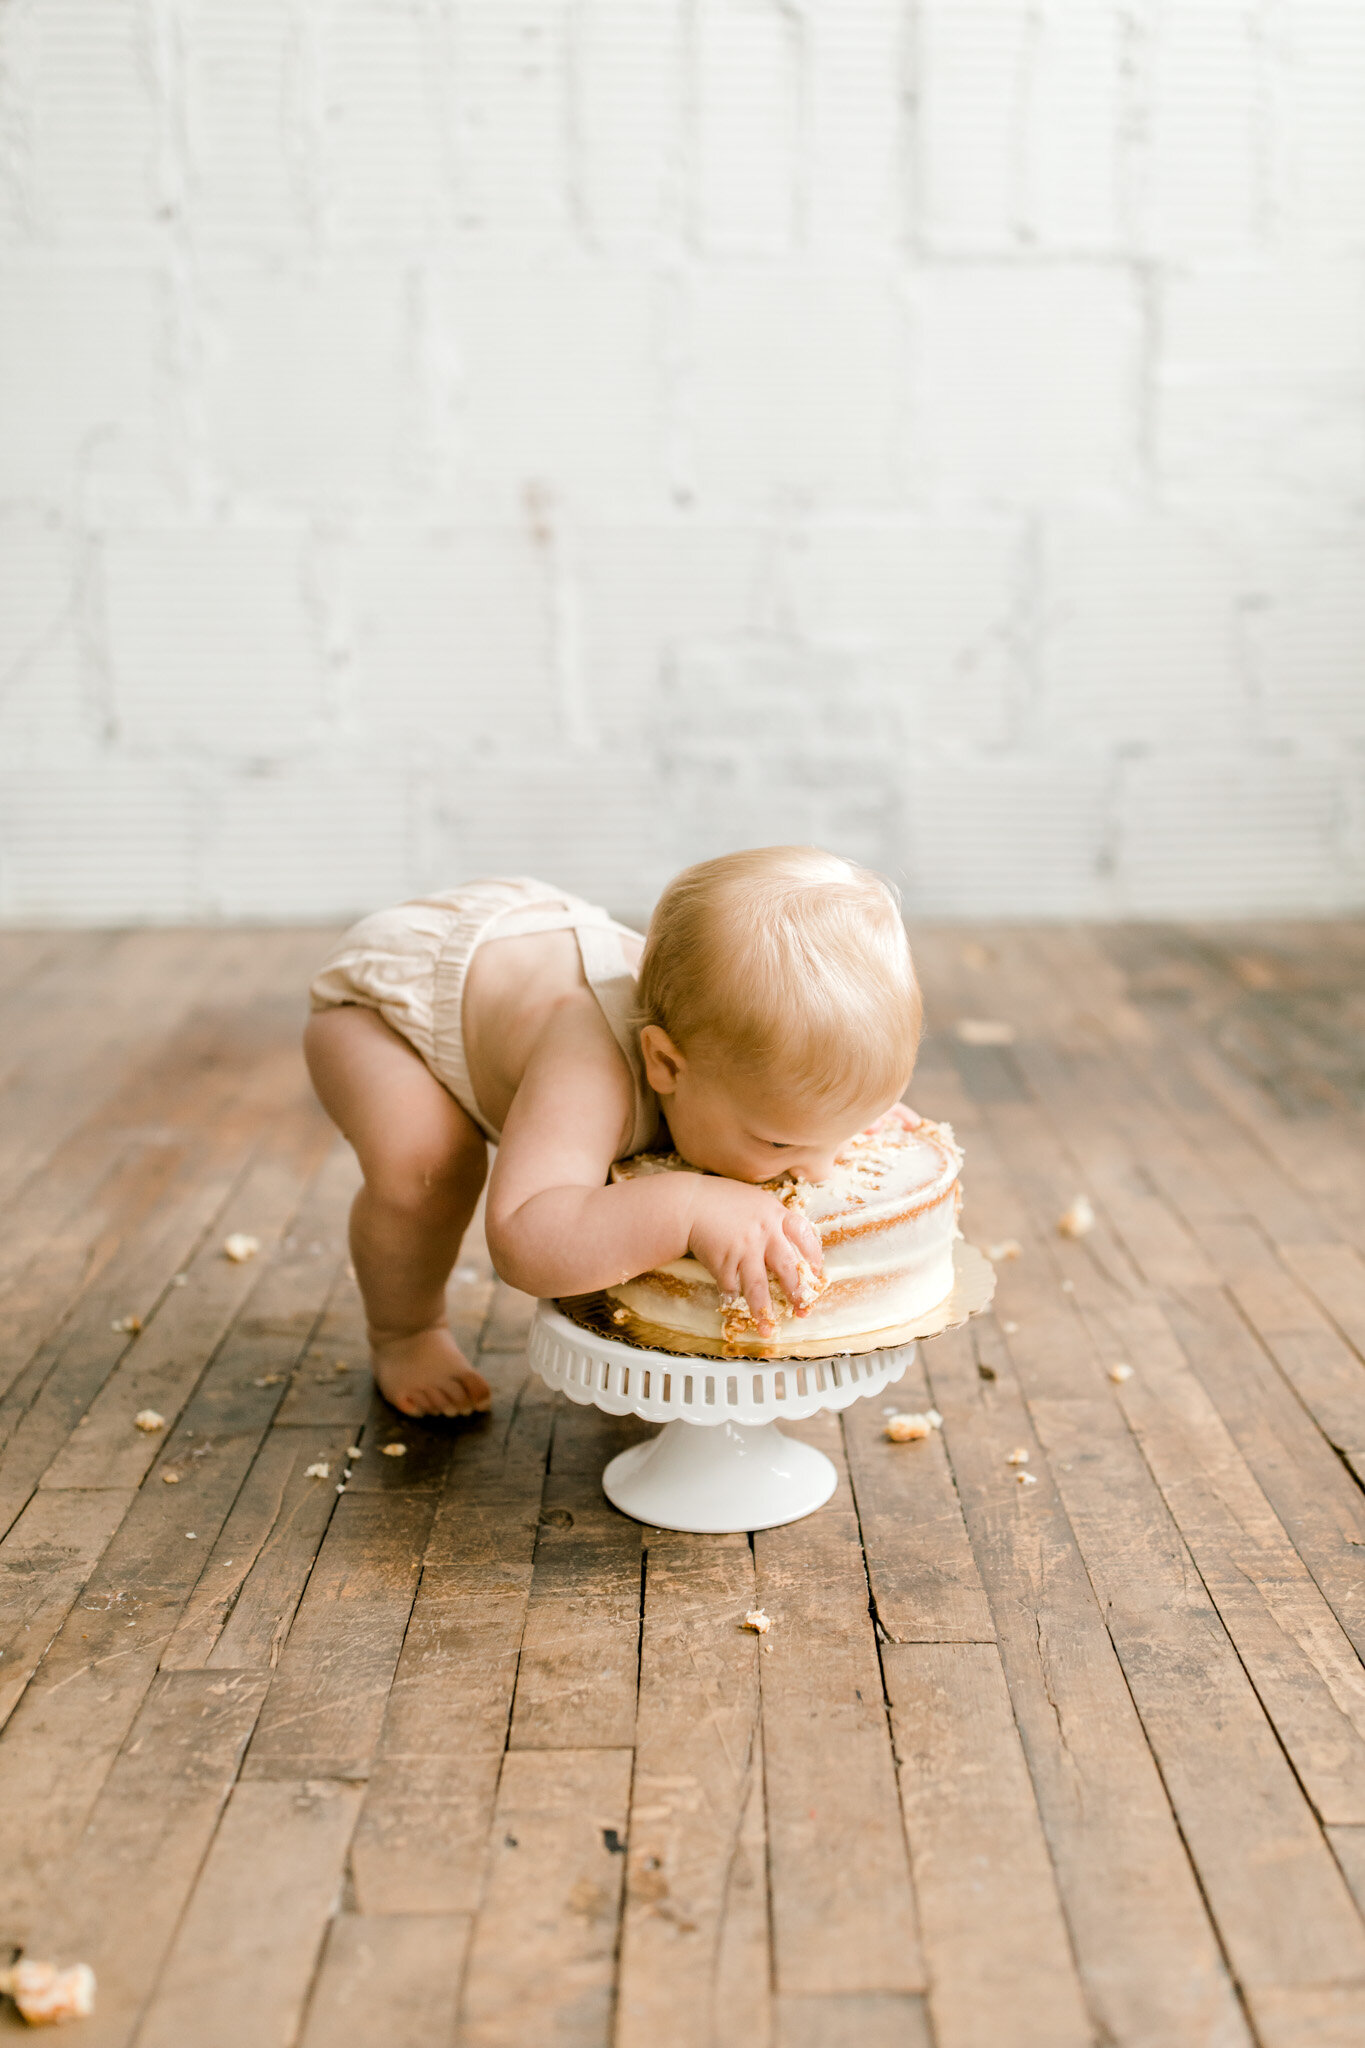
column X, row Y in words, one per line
column 579, row 435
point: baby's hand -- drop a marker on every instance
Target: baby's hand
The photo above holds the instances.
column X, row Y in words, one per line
column 741, row 1234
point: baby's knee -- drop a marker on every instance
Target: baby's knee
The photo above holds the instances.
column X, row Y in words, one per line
column 423, row 1180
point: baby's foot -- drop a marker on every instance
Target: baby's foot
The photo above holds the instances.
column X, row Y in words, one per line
column 428, row 1374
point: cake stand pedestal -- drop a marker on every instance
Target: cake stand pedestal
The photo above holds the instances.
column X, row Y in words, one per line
column 720, row 1463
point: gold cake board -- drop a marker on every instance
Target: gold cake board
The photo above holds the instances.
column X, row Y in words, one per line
column 973, row 1287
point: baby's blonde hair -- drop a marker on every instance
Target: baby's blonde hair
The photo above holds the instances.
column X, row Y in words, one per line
column 788, row 962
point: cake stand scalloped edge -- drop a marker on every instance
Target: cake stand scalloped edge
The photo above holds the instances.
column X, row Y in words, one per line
column 720, row 1463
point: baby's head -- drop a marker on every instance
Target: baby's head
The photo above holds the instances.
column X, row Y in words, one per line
column 778, row 1007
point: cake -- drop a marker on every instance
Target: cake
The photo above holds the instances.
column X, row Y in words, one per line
column 887, row 1221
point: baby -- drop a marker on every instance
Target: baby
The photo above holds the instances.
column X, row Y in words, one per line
column 775, row 1015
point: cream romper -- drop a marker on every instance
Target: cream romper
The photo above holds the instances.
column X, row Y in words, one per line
column 410, row 965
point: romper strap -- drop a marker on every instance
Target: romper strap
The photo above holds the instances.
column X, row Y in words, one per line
column 612, row 983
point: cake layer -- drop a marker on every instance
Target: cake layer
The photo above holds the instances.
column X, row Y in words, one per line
column 886, row 1218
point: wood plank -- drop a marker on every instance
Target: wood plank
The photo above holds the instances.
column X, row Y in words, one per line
column 63, row 1736
column 422, row 1841
column 64, row 1058
column 1257, row 1151
column 44, row 1561
column 587, row 1439
column 1318, row 1153
column 162, row 1366
column 1348, row 1846
column 1161, row 1628
column 26, row 955
column 122, row 1206
column 1305, row 1671
column 925, row 1585
column 1316, row 1500
column 743, row 2003
column 580, row 1651
column 117, row 1901
column 842, row 1908
column 1148, row 1956
column 1250, row 1832
column 509, row 1322
column 1325, row 2016
column 323, row 1712
column 388, row 1982
column 995, row 1941
column 872, row 2020
column 1335, row 1275
column 240, row 1612
column 697, row 1768
column 1321, row 1367
column 238, row 1041
column 66, row 1731
column 47, row 1398
column 332, row 1382
column 542, row 1959
column 244, row 1957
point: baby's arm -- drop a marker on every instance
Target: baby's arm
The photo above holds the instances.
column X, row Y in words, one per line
column 554, row 1227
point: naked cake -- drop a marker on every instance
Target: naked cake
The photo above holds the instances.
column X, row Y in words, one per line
column 887, row 1221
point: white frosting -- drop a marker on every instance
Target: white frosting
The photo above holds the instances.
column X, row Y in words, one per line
column 886, row 1217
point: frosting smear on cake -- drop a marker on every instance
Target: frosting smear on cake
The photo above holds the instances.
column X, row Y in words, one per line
column 886, row 1218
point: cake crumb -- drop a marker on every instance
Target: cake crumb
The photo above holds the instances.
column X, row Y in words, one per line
column 319, row 1471
column 1026, row 1478
column 46, row 1995
column 758, row 1621
column 147, row 1419
column 1008, row 1248
column 127, row 1326
column 269, row 1379
column 354, row 1451
column 395, row 1450
column 910, row 1429
column 985, row 1031
column 170, row 1479
column 1119, row 1373
column 620, row 1315
column 1078, row 1220
column 1019, row 1457
column 341, row 1365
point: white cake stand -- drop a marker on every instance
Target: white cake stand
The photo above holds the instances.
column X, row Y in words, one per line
column 720, row 1463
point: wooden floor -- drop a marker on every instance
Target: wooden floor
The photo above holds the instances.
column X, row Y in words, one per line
column 305, row 1746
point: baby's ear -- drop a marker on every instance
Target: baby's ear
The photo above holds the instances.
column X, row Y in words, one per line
column 663, row 1061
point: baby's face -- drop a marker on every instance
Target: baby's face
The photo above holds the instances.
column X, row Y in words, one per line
column 730, row 1125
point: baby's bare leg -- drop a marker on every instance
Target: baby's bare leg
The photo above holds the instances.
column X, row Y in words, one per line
column 424, row 1162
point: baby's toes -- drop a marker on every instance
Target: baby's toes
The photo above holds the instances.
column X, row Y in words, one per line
column 475, row 1389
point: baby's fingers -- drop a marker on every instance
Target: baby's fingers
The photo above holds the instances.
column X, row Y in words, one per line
column 753, row 1284
column 782, row 1263
column 805, row 1237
